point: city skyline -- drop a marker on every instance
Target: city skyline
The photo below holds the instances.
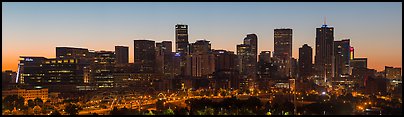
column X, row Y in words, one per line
column 111, row 30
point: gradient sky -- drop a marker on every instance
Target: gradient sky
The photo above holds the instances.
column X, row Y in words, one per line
column 35, row 29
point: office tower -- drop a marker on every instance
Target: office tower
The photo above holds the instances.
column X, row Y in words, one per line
column 283, row 51
column 392, row 72
column 144, row 55
column 265, row 56
column 245, row 66
column 160, row 58
column 305, row 62
column 70, row 52
column 122, row 54
column 167, row 46
column 265, row 69
column 359, row 63
column 200, row 62
column 324, row 52
column 342, row 53
column 226, row 75
column 252, row 40
column 102, row 69
column 181, row 39
column 30, row 70
column 182, row 45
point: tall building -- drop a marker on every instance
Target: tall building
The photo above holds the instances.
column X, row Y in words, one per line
column 70, row 52
column 200, row 61
column 167, row 46
column 342, row 53
column 245, row 66
column 103, row 69
column 265, row 56
column 324, row 52
column 182, row 45
column 122, row 54
column 305, row 61
column 30, row 70
column 359, row 63
column 144, row 55
column 226, row 75
column 283, row 51
column 392, row 72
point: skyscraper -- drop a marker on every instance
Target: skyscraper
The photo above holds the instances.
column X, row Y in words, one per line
column 265, row 56
column 122, row 54
column 245, row 65
column 182, row 45
column 103, row 67
column 200, row 61
column 283, row 50
column 342, row 53
column 324, row 52
column 181, row 38
column 144, row 55
column 226, row 75
column 305, row 61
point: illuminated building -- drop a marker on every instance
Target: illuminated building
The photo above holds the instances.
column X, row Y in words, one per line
column 200, row 61
column 283, row 51
column 342, row 54
column 144, row 55
column 102, row 69
column 245, row 67
column 182, row 45
column 70, row 52
column 226, row 75
column 392, row 72
column 30, row 70
column 122, row 54
column 252, row 40
column 305, row 62
column 324, row 52
column 27, row 94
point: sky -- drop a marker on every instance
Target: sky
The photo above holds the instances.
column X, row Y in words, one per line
column 36, row 29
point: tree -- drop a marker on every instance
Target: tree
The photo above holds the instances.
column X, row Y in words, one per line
column 31, row 103
column 72, row 109
column 38, row 101
column 168, row 112
column 12, row 101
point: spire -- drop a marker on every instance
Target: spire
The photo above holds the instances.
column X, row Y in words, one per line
column 325, row 23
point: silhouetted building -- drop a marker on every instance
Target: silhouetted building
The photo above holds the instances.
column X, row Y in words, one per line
column 342, row 52
column 252, row 40
column 359, row 63
column 392, row 72
column 144, row 56
column 8, row 77
column 265, row 56
column 375, row 86
column 226, row 75
column 200, row 61
column 283, row 51
column 122, row 54
column 30, row 70
column 305, row 62
column 324, row 52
